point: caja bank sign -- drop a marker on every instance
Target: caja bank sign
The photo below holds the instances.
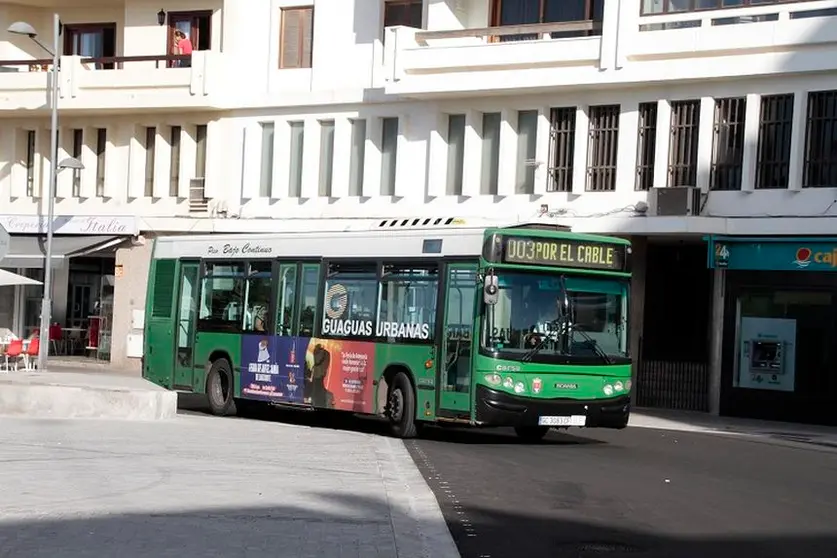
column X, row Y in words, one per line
column 773, row 254
column 804, row 257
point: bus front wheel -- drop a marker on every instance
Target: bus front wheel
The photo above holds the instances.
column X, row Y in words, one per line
column 401, row 407
column 531, row 433
column 219, row 388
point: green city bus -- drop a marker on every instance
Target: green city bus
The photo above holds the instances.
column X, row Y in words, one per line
column 522, row 326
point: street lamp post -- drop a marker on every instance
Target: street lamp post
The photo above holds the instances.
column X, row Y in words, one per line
column 23, row 28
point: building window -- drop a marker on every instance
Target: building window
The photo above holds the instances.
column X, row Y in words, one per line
column 150, row 158
column 821, row 140
column 96, row 41
column 297, row 37
column 78, row 145
column 775, row 130
column 101, row 148
column 654, row 7
column 489, row 175
column 297, row 147
column 602, row 148
column 727, row 144
column 357, row 157
column 508, row 13
column 31, row 136
column 266, row 176
column 326, row 157
column 456, row 154
column 200, row 151
column 403, row 12
column 646, row 146
column 683, row 143
column 389, row 155
column 174, row 175
column 527, row 142
column 561, row 149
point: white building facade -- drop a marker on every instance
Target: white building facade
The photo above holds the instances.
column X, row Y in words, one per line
column 666, row 121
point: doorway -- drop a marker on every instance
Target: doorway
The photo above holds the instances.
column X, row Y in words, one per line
column 456, row 347
column 197, row 26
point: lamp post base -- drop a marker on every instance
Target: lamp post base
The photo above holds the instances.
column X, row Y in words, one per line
column 43, row 338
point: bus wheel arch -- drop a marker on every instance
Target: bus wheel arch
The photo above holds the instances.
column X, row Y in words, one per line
column 220, row 384
column 401, row 400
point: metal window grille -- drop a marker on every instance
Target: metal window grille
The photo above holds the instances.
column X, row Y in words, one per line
column 775, row 131
column 683, row 143
column 561, row 149
column 820, row 154
column 727, row 144
column 646, row 146
column 602, row 148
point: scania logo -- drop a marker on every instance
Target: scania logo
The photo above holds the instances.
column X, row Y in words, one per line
column 566, row 386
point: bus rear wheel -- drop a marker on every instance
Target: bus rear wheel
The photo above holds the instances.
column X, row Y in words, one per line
column 531, row 433
column 401, row 407
column 219, row 388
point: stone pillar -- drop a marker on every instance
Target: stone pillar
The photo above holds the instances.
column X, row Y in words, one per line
column 637, row 305
column 716, row 340
column 130, row 285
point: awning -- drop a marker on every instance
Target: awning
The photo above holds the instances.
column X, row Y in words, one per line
column 7, row 278
column 30, row 251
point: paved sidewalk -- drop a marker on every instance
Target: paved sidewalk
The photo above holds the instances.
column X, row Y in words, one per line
column 206, row 486
column 703, row 422
column 68, row 393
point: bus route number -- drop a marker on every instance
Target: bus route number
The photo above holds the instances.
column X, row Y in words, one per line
column 564, row 253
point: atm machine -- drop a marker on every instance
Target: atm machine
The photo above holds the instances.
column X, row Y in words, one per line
column 766, row 354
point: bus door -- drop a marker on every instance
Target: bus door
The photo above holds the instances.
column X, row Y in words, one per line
column 187, row 308
column 454, row 370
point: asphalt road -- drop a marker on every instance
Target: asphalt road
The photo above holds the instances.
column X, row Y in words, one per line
column 636, row 493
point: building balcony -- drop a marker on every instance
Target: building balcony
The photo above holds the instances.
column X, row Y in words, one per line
column 756, row 39
column 622, row 46
column 428, row 63
column 123, row 83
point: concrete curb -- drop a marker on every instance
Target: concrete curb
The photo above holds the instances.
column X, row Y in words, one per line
column 48, row 398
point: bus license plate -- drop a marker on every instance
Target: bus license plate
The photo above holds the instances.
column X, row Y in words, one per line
column 574, row 420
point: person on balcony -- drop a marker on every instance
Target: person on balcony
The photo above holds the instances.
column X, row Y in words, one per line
column 182, row 47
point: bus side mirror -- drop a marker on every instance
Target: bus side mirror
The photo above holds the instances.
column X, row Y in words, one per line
column 491, row 290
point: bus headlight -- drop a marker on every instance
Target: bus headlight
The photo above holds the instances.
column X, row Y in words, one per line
column 493, row 379
column 628, row 385
column 508, row 382
column 618, row 386
column 608, row 389
column 519, row 387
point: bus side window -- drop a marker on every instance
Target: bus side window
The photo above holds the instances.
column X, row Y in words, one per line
column 257, row 297
column 308, row 299
column 287, row 299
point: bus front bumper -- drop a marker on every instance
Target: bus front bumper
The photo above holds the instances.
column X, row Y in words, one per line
column 495, row 408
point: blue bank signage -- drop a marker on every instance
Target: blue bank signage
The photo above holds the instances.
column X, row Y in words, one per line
column 773, row 254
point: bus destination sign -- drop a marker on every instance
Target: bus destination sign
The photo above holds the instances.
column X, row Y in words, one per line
column 565, row 253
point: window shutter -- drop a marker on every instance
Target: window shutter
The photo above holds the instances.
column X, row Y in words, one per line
column 306, row 16
column 290, row 39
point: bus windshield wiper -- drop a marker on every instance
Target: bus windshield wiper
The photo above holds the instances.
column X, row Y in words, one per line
column 537, row 348
column 598, row 350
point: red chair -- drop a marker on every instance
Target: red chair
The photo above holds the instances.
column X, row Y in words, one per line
column 31, row 351
column 56, row 338
column 14, row 351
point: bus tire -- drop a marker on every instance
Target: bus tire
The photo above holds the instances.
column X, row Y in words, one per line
column 220, row 388
column 531, row 434
column 401, row 407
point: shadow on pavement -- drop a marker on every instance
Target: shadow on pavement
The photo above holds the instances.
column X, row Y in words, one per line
column 362, row 527
column 338, row 420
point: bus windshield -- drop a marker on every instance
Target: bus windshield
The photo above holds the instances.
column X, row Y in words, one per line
column 527, row 319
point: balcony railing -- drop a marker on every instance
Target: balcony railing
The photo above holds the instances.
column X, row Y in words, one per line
column 528, row 31
column 103, row 63
column 116, row 81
